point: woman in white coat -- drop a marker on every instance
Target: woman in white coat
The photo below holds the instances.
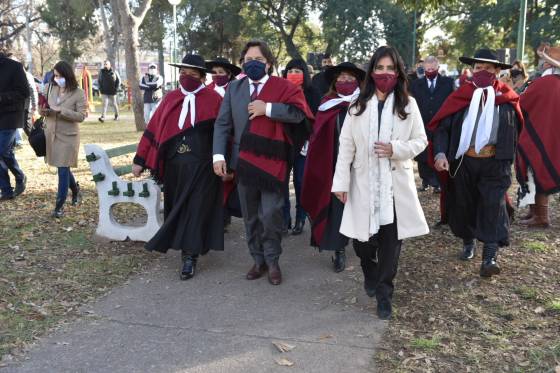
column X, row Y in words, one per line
column 374, row 178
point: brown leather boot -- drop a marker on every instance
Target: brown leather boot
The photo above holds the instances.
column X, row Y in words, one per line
column 540, row 219
column 529, row 214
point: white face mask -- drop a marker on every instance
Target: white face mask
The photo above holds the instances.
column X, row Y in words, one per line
column 152, row 71
column 60, row 81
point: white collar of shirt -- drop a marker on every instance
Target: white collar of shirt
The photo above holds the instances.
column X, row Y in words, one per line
column 335, row 101
column 261, row 82
column 221, row 89
column 189, row 104
column 551, row 71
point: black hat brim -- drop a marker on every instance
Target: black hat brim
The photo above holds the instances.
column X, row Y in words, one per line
column 332, row 72
column 179, row 65
column 471, row 61
column 235, row 70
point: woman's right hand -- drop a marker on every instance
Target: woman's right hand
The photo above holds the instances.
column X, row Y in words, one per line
column 44, row 112
column 137, row 170
column 342, row 196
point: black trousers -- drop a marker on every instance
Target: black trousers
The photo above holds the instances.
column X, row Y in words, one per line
column 476, row 200
column 379, row 258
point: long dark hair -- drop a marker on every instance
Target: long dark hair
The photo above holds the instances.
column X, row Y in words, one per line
column 298, row 63
column 67, row 72
column 265, row 50
column 368, row 86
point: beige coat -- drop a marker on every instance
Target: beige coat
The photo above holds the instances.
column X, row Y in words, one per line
column 62, row 130
column 351, row 175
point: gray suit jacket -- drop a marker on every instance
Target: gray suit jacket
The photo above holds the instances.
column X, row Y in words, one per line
column 234, row 117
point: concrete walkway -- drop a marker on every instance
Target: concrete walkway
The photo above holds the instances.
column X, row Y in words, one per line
column 220, row 322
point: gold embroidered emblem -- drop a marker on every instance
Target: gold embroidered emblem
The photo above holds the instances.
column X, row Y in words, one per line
column 183, row 148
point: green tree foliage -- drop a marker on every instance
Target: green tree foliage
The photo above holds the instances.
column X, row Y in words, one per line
column 72, row 21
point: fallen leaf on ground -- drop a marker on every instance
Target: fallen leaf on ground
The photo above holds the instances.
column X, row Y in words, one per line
column 284, row 362
column 283, row 347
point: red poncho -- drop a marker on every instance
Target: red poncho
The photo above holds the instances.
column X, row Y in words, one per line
column 164, row 126
column 319, row 169
column 538, row 142
column 265, row 145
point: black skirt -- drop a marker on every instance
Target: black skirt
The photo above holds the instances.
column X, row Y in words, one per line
column 193, row 195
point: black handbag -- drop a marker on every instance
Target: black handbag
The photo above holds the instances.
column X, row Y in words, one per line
column 37, row 138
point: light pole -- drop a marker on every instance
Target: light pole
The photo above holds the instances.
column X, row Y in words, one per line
column 521, row 30
column 413, row 62
column 174, row 3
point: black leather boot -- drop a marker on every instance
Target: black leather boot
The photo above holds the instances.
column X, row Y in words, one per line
column 489, row 266
column 76, row 195
column 469, row 247
column 339, row 261
column 298, row 228
column 384, row 309
column 286, row 226
column 58, row 211
column 189, row 266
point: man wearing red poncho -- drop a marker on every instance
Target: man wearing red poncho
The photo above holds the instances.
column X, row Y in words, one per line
column 475, row 137
column 177, row 148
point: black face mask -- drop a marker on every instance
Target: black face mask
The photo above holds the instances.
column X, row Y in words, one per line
column 515, row 73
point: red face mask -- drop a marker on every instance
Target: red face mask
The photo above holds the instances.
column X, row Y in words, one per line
column 296, row 78
column 431, row 74
column 483, row 78
column 189, row 83
column 385, row 82
column 346, row 88
column 220, row 80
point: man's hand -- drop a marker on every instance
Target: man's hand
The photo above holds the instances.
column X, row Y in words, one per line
column 383, row 150
column 256, row 109
column 137, row 169
column 228, row 177
column 442, row 164
column 342, row 196
column 220, row 168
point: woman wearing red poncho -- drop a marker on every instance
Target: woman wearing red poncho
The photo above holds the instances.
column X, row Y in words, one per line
column 324, row 209
column 177, row 148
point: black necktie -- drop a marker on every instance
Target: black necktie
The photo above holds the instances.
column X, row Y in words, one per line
column 432, row 86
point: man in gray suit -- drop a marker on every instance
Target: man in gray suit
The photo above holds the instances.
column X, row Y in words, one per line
column 257, row 103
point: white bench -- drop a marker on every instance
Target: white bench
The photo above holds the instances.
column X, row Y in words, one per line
column 111, row 189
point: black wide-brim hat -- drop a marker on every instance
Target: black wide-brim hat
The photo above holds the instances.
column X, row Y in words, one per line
column 332, row 72
column 222, row 62
column 485, row 56
column 193, row 61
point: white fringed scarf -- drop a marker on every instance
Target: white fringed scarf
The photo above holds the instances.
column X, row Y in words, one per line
column 188, row 106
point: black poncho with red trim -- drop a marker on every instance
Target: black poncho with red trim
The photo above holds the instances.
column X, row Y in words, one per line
column 163, row 127
column 266, row 144
column 539, row 141
column 319, row 169
column 460, row 100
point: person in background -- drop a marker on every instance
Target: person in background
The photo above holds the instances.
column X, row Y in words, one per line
column 297, row 73
column 518, row 77
column 324, row 209
column 152, row 85
column 109, row 82
column 430, row 93
column 319, row 81
column 223, row 72
column 14, row 91
column 66, row 109
column 466, row 76
column 374, row 177
column 31, row 105
column 418, row 72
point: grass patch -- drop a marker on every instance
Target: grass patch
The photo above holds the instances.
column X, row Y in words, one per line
column 527, row 292
column 48, row 267
column 535, row 246
column 554, row 305
column 425, row 344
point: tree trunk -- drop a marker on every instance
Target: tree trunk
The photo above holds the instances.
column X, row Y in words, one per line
column 291, row 48
column 109, row 47
column 129, row 26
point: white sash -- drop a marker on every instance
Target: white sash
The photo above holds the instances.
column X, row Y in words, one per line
column 188, row 105
column 335, row 101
